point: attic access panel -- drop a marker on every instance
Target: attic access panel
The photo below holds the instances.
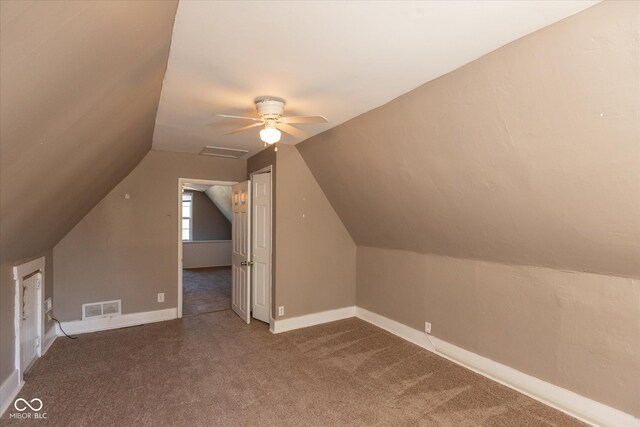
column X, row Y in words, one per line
column 223, row 152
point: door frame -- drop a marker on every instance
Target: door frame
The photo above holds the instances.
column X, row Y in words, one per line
column 181, row 182
column 37, row 266
column 266, row 169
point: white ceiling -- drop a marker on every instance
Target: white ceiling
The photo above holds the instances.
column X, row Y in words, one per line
column 337, row 59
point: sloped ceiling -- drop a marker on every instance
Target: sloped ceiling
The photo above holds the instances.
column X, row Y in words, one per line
column 338, row 59
column 220, row 195
column 529, row 155
column 80, row 84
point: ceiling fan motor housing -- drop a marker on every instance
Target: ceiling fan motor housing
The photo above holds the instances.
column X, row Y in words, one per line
column 269, row 107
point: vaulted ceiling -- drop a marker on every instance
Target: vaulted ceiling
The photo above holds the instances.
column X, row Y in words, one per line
column 220, row 195
column 529, row 155
column 80, row 84
column 337, row 59
column 496, row 160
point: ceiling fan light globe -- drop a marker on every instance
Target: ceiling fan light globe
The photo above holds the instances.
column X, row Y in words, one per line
column 270, row 135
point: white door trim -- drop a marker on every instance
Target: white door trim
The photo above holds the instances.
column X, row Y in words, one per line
column 20, row 271
column 181, row 182
column 268, row 169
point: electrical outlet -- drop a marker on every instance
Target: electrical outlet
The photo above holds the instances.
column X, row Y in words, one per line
column 281, row 310
column 49, row 317
column 427, row 328
column 161, row 297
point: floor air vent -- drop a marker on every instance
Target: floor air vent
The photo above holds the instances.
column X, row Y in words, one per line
column 223, row 152
column 101, row 309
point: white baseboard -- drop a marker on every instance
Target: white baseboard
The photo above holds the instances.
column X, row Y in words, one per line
column 405, row 332
column 49, row 337
column 9, row 390
column 12, row 385
column 580, row 407
column 312, row 319
column 114, row 322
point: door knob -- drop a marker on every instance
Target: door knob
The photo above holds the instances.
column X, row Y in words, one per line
column 247, row 263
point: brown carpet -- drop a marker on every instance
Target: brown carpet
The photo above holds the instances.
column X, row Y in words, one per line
column 205, row 290
column 214, row 370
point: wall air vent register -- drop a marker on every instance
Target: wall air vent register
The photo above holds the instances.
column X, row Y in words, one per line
column 101, row 309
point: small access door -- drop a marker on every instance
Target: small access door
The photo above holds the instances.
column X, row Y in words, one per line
column 241, row 256
column 29, row 340
column 261, row 245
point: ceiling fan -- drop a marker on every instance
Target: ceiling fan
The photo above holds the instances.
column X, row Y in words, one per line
column 270, row 117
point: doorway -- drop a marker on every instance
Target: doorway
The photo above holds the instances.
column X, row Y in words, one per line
column 232, row 270
column 204, row 241
column 252, row 247
column 29, row 316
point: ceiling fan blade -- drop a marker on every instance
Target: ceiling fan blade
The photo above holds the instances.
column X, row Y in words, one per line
column 242, row 129
column 292, row 130
column 239, row 117
column 303, row 119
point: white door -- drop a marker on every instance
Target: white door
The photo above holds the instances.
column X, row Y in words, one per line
column 240, row 226
column 29, row 320
column 261, row 245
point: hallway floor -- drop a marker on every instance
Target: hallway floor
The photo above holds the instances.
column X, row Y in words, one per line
column 213, row 369
column 205, row 290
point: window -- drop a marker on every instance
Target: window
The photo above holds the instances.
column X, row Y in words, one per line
column 187, row 216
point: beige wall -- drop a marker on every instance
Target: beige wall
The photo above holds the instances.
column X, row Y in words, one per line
column 524, row 166
column 579, row 331
column 264, row 158
column 316, row 255
column 529, row 155
column 80, row 84
column 80, row 88
column 261, row 160
column 206, row 254
column 209, row 223
column 128, row 249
